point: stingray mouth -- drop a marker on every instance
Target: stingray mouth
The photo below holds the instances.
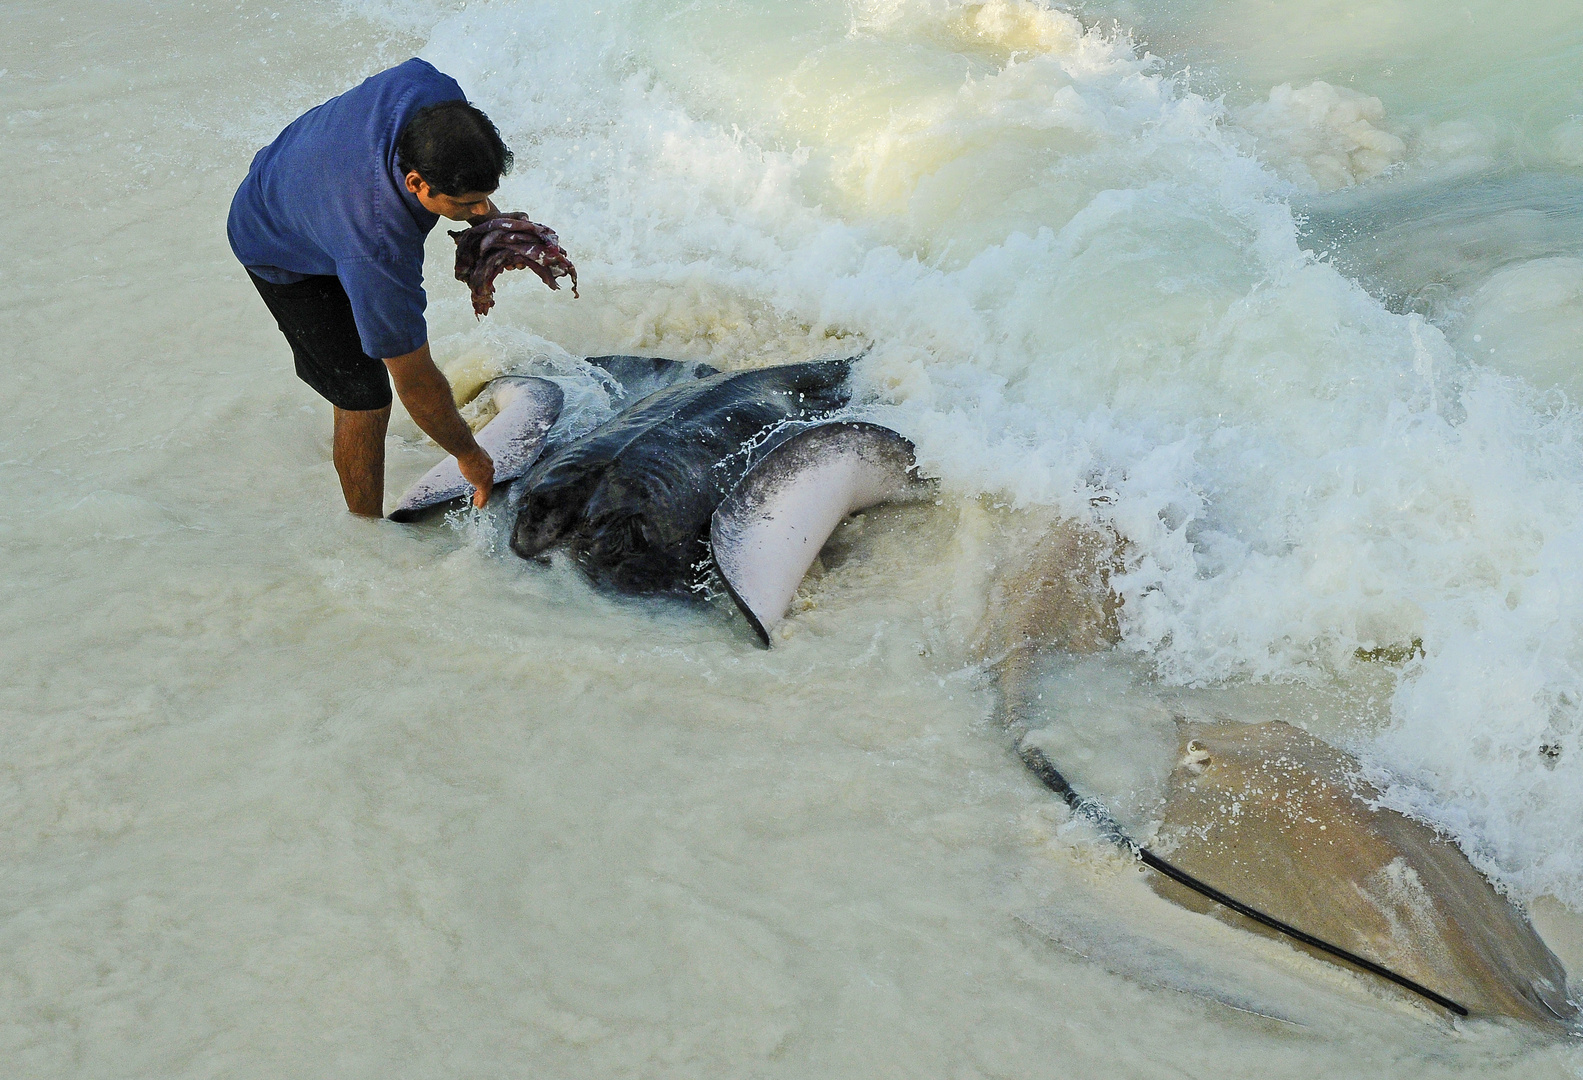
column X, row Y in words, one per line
column 628, row 552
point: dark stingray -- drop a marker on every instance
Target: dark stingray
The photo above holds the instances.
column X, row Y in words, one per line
column 631, row 500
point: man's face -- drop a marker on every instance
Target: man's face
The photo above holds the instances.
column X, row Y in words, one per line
column 469, row 204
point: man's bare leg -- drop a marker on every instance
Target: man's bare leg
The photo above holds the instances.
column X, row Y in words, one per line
column 360, row 459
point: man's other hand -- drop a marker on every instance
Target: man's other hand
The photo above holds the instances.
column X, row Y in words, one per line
column 427, row 396
column 478, row 470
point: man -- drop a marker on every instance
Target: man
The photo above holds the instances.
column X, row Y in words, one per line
column 330, row 224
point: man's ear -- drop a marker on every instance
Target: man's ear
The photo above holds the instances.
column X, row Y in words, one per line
column 414, row 182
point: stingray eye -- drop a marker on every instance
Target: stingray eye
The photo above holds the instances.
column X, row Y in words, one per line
column 1196, row 760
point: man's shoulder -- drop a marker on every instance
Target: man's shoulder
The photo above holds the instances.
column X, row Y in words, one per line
column 418, row 77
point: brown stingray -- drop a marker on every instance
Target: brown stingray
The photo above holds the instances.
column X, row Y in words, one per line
column 1281, row 821
column 1276, row 819
column 1060, row 598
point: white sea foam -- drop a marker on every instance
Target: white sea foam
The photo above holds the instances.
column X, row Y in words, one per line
column 1567, row 139
column 1527, row 319
column 1325, row 137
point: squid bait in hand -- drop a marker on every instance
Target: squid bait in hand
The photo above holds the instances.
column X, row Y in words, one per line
column 508, row 242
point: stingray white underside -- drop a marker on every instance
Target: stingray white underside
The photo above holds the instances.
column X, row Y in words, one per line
column 526, row 409
column 768, row 531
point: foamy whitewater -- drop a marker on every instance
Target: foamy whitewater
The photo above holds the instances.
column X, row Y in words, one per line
column 1289, row 296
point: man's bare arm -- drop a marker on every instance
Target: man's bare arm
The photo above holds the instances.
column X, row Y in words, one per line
column 427, row 396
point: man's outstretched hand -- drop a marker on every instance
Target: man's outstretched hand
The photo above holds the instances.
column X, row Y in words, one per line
column 478, row 470
column 427, row 396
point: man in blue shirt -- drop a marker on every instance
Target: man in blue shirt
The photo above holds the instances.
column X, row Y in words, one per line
column 330, row 224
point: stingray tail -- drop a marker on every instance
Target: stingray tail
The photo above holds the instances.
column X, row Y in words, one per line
column 1094, row 811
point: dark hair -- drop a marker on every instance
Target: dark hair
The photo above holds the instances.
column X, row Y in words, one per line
column 454, row 147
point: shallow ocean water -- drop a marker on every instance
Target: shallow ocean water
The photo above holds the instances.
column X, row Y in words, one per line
column 287, row 794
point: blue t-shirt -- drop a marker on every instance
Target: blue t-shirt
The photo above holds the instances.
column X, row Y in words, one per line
column 327, row 197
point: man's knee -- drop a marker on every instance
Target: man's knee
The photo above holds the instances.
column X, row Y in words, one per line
column 369, row 419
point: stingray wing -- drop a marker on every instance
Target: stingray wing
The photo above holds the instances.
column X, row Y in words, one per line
column 640, row 376
column 1280, row 820
column 528, row 408
column 768, row 531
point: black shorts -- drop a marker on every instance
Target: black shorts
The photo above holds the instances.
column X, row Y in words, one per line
column 316, row 318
